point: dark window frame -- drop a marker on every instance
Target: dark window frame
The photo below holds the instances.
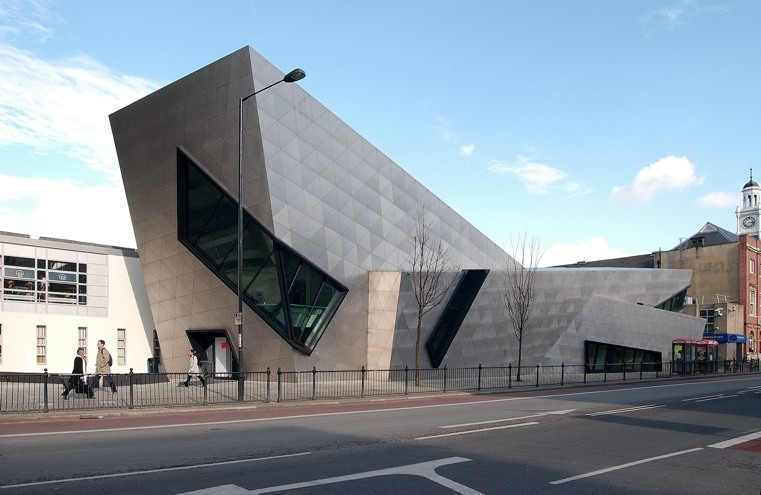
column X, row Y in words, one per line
column 280, row 316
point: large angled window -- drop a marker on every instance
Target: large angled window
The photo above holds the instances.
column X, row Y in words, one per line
column 294, row 297
column 454, row 314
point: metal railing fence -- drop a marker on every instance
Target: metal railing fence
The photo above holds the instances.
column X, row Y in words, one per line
column 41, row 392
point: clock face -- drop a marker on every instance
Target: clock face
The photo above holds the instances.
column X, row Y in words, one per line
column 749, row 222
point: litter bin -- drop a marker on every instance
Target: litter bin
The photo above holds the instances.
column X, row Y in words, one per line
column 153, row 365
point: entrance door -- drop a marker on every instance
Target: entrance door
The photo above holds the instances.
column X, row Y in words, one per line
column 223, row 362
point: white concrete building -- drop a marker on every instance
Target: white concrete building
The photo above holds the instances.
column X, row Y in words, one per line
column 58, row 295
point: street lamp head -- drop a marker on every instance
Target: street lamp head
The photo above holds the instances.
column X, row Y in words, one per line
column 294, row 75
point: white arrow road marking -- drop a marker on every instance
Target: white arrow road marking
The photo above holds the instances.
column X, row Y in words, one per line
column 424, row 469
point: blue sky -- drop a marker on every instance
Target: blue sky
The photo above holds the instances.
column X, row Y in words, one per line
column 601, row 128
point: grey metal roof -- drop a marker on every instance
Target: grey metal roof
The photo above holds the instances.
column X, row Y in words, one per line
column 708, row 235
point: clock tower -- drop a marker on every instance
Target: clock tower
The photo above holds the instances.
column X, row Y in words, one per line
column 749, row 216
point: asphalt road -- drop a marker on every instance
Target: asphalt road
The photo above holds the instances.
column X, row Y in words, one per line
column 698, row 436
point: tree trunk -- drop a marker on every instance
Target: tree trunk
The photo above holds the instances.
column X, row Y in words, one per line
column 417, row 348
column 520, row 352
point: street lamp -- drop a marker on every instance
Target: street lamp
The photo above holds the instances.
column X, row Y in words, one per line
column 293, row 76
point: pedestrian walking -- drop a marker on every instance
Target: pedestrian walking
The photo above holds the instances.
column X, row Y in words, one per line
column 193, row 368
column 78, row 380
column 103, row 362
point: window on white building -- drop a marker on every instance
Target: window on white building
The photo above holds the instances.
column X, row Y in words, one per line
column 43, row 281
column 82, row 337
column 42, row 344
column 121, row 346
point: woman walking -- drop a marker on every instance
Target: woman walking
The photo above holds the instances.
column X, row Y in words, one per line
column 193, row 368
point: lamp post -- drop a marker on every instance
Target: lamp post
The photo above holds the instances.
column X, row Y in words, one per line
column 293, row 76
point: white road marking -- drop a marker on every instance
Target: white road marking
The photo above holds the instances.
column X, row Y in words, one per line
column 716, row 398
column 623, row 466
column 519, row 418
column 709, row 397
column 734, row 441
column 481, row 430
column 153, row 471
column 423, row 469
column 626, row 409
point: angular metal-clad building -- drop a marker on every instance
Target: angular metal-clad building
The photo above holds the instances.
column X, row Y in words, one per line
column 328, row 222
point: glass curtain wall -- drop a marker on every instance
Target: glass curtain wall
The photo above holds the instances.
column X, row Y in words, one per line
column 293, row 296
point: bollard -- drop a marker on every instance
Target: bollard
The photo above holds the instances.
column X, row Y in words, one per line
column 509, row 375
column 445, row 378
column 479, row 376
column 537, row 374
column 562, row 373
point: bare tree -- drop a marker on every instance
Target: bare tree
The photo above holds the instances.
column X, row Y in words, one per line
column 430, row 263
column 519, row 289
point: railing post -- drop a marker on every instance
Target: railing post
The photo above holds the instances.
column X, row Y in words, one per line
column 241, row 377
column 45, row 390
column 279, row 384
column 406, row 378
column 509, row 375
column 562, row 373
column 131, row 382
column 585, row 373
column 362, row 391
column 203, row 374
column 314, row 382
column 267, row 392
column 537, row 374
column 479, row 376
column 445, row 378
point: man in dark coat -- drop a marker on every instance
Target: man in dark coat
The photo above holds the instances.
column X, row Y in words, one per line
column 77, row 381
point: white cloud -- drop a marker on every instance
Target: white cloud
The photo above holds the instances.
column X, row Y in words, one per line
column 593, row 249
column 538, row 178
column 63, row 106
column 676, row 15
column 65, row 209
column 718, row 199
column 671, row 173
column 467, row 149
column 26, row 19
column 60, row 109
